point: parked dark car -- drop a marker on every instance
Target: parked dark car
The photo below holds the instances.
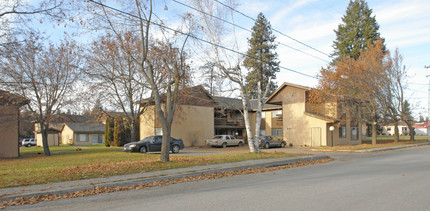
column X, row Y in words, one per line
column 270, row 141
column 153, row 144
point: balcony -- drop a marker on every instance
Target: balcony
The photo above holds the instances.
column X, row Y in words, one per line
column 229, row 122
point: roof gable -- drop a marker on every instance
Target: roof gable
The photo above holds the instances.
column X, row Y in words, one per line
column 270, row 99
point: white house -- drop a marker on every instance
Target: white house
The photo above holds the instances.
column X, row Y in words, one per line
column 421, row 129
column 388, row 129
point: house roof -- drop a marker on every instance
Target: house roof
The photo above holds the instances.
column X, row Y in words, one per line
column 86, row 127
column 7, row 98
column 322, row 117
column 421, row 125
column 196, row 95
column 400, row 123
column 228, row 103
column 254, row 105
column 283, row 86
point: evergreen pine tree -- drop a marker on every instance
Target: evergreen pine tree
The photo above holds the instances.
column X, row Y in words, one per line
column 261, row 60
column 357, row 30
column 119, row 132
column 107, row 135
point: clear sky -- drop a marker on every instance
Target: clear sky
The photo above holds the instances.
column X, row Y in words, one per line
column 405, row 24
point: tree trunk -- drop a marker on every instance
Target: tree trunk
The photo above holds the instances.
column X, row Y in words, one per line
column 411, row 131
column 165, row 143
column 44, row 129
column 374, row 133
column 132, row 131
column 396, row 132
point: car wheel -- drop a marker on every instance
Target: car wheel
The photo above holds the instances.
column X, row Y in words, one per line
column 266, row 146
column 282, row 144
column 143, row 149
column 240, row 144
column 224, row 145
column 175, row 149
column 28, row 145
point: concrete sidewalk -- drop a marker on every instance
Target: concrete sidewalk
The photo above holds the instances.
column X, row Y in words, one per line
column 7, row 194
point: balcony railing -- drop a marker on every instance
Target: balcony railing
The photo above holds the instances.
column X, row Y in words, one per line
column 236, row 122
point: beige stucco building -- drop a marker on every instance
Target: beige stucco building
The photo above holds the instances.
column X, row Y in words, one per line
column 193, row 121
column 82, row 133
column 306, row 124
column 287, row 114
column 9, row 123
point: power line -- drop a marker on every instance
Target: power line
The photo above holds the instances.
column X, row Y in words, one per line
column 192, row 36
column 302, row 43
column 248, row 30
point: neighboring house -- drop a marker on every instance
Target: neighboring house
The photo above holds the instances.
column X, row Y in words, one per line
column 388, row 129
column 82, row 133
column 9, row 123
column 54, row 134
column 56, row 126
column 302, row 123
column 421, row 129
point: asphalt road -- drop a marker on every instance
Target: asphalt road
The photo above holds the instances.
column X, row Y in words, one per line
column 395, row 180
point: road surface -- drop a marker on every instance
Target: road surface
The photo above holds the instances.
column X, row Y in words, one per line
column 395, row 180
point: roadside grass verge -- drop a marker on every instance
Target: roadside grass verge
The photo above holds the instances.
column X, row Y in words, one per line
column 67, row 164
column 367, row 145
column 390, row 139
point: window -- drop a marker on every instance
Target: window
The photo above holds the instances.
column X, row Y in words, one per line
column 263, row 132
column 263, row 115
column 97, row 138
column 342, row 131
column 354, row 133
column 82, row 137
column 276, row 132
column 158, row 131
column 277, row 114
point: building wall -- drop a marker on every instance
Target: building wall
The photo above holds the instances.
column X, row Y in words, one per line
column 9, row 131
column 67, row 135
column 192, row 124
column 53, row 139
column 147, row 122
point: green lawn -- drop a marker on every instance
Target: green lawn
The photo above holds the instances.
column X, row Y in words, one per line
column 66, row 163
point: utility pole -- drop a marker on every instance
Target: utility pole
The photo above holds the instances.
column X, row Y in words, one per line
column 428, row 106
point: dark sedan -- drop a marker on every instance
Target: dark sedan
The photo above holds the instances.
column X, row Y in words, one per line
column 270, row 141
column 153, row 144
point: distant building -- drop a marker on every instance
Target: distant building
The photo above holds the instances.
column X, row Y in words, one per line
column 9, row 123
column 388, row 129
column 421, row 129
column 82, row 133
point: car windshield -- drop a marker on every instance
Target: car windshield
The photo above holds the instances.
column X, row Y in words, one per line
column 218, row 137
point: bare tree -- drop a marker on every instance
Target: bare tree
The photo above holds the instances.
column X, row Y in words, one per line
column 113, row 74
column 229, row 65
column 18, row 13
column 45, row 75
column 153, row 57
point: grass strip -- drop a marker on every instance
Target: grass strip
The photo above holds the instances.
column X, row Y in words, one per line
column 160, row 183
column 67, row 164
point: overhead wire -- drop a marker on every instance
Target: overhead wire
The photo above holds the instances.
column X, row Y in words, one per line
column 192, row 36
column 275, row 30
column 248, row 30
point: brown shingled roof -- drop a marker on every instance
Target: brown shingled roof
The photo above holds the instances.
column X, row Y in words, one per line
column 6, row 98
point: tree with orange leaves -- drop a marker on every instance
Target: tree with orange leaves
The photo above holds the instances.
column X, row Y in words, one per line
column 357, row 83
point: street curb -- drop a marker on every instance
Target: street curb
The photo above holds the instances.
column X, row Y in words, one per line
column 393, row 148
column 131, row 182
